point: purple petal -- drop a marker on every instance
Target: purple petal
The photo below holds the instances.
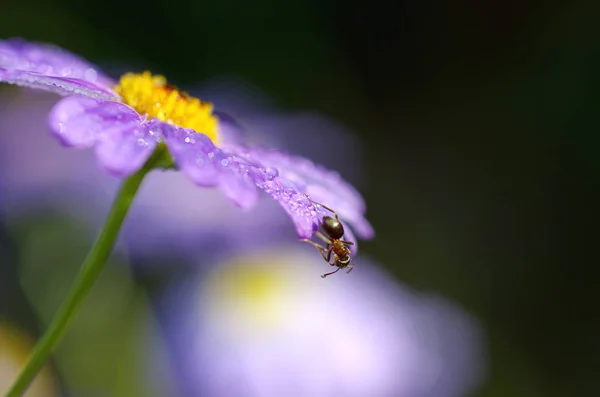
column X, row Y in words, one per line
column 293, row 201
column 124, row 148
column 78, row 121
column 58, row 85
column 53, row 69
column 322, row 185
column 123, row 141
column 206, row 165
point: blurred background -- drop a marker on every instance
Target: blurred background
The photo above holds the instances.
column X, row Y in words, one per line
column 471, row 125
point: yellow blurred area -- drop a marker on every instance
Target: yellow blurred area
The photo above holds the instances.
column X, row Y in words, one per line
column 14, row 349
column 256, row 288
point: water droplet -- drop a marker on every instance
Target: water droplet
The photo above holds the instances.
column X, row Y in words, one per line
column 271, row 172
column 90, row 75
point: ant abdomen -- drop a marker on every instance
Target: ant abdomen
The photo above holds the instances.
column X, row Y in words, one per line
column 333, row 227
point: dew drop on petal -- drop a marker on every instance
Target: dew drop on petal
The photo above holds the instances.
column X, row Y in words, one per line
column 90, row 75
column 271, row 173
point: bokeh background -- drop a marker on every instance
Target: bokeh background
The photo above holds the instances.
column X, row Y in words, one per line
column 476, row 126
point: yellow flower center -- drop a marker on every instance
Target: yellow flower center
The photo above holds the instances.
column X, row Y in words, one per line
column 254, row 293
column 152, row 96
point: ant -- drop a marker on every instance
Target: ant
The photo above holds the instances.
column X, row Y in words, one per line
column 333, row 233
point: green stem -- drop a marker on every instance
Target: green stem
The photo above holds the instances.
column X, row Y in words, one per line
column 89, row 272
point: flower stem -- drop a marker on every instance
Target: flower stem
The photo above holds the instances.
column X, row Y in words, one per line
column 89, row 272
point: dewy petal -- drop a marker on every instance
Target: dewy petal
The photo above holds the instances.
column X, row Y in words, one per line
column 124, row 148
column 53, row 69
column 122, row 139
column 322, row 185
column 207, row 165
column 78, row 121
column 293, row 201
column 58, row 85
column 49, row 60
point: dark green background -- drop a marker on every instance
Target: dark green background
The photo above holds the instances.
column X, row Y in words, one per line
column 478, row 120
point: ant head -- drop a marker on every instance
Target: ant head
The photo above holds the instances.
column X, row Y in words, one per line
column 333, row 228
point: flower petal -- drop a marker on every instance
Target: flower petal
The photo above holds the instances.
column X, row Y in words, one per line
column 123, row 141
column 79, row 121
column 206, row 165
column 293, row 200
column 322, row 185
column 51, row 68
column 58, row 85
column 124, row 148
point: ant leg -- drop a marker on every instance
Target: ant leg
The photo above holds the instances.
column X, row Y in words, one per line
column 347, row 242
column 328, row 258
column 327, row 274
column 319, row 248
column 323, row 205
column 323, row 237
column 350, row 267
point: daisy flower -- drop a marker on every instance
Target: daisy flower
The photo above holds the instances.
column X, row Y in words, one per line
column 141, row 116
column 140, row 123
column 36, row 174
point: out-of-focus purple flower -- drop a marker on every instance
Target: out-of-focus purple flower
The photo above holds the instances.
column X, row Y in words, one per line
column 263, row 324
column 126, row 122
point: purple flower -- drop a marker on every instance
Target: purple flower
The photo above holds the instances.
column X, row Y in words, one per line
column 261, row 324
column 126, row 122
column 35, row 174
